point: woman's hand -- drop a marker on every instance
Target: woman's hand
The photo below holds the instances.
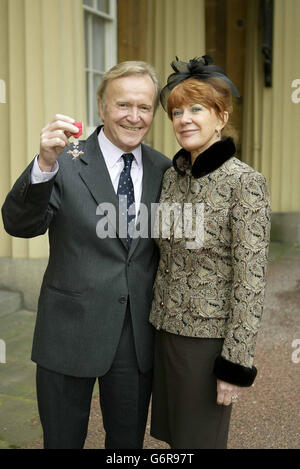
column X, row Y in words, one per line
column 226, row 392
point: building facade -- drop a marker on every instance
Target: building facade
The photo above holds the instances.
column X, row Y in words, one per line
column 53, row 55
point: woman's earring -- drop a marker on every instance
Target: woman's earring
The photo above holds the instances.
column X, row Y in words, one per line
column 218, row 133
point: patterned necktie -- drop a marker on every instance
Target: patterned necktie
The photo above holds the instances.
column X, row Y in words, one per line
column 126, row 194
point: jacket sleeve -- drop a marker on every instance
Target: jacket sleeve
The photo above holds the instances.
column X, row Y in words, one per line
column 29, row 208
column 250, row 225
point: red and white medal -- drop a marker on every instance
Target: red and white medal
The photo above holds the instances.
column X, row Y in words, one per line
column 75, row 152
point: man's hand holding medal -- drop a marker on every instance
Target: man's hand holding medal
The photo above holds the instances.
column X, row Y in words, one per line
column 55, row 138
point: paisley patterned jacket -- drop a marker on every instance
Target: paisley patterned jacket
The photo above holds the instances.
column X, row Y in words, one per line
column 214, row 286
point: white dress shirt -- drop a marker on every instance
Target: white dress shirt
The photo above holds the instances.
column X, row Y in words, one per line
column 114, row 163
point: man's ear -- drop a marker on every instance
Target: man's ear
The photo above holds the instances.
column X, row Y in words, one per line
column 101, row 109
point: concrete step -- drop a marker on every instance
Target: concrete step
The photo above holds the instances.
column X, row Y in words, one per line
column 10, row 302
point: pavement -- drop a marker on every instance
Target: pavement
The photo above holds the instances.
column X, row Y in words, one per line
column 266, row 417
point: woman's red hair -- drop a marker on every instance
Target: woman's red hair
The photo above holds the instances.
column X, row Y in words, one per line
column 213, row 94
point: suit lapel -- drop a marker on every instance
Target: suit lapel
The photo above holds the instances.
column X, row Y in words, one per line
column 151, row 182
column 95, row 175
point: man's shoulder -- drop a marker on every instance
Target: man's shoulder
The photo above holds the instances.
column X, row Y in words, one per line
column 158, row 158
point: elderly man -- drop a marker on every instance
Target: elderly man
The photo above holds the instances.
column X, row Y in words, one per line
column 94, row 304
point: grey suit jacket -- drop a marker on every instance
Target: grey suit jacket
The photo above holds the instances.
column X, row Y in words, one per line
column 88, row 280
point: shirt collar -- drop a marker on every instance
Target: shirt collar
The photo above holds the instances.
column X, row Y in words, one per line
column 113, row 154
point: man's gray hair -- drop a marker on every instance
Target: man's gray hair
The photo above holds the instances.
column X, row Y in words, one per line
column 128, row 68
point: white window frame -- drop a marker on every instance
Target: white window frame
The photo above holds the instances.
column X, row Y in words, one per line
column 2, row 92
column 110, row 52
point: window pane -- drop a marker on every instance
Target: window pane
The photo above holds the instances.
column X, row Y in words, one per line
column 89, row 3
column 98, row 43
column 86, row 40
column 103, row 5
column 87, row 98
column 97, row 81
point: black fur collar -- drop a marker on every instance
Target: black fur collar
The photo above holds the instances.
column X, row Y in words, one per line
column 208, row 161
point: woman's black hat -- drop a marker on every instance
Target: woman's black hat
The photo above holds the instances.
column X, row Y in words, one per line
column 200, row 68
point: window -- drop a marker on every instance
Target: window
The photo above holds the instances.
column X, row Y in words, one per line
column 100, row 27
column 2, row 92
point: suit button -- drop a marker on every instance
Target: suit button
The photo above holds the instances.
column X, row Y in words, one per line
column 123, row 299
column 167, row 271
column 162, row 303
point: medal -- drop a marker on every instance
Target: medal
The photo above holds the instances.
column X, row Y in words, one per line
column 75, row 152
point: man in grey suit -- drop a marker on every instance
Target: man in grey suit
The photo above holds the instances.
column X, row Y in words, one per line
column 92, row 319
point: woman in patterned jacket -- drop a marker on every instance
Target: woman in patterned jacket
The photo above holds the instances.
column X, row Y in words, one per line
column 213, row 237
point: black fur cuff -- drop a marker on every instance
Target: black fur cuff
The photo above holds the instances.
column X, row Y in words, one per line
column 234, row 373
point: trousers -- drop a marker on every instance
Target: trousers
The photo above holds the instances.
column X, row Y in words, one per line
column 64, row 401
